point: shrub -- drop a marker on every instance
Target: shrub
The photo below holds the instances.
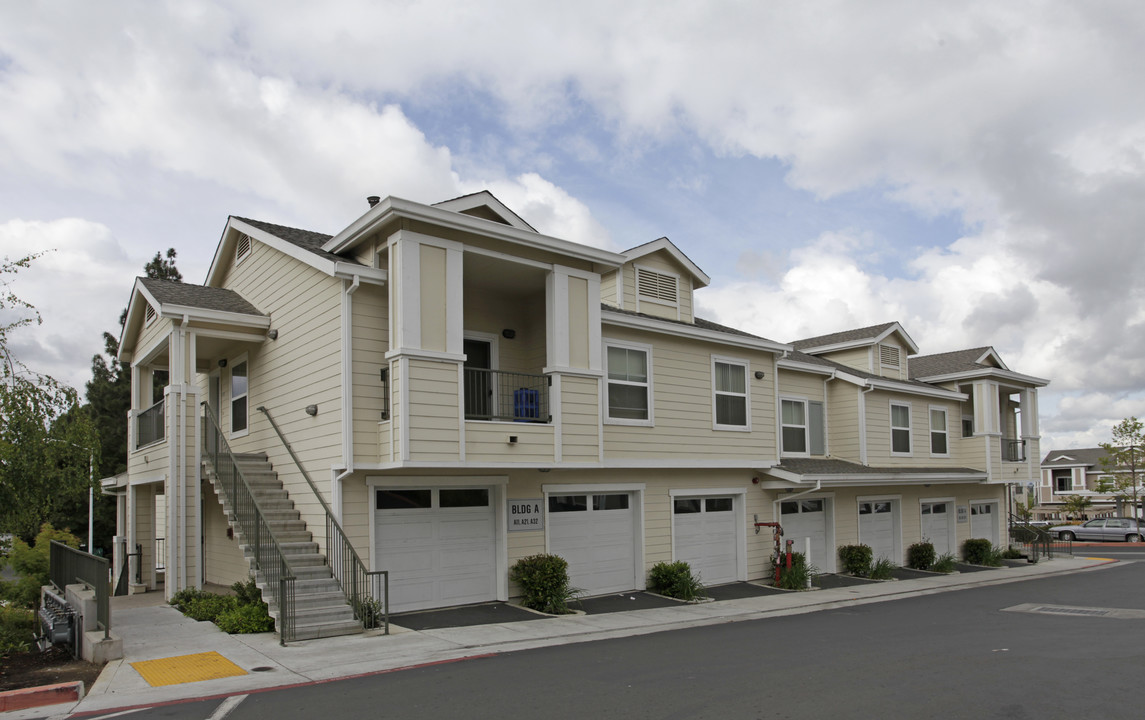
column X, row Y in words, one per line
column 248, row 618
column 920, row 556
column 675, row 579
column 369, row 611
column 184, row 597
column 856, row 559
column 883, row 569
column 544, row 579
column 979, row 551
column 243, row 612
column 209, row 607
column 31, row 562
column 944, row 563
column 799, row 575
column 247, row 592
column 1012, row 553
column 17, row 628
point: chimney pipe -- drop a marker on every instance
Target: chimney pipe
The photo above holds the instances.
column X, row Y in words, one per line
column 373, row 200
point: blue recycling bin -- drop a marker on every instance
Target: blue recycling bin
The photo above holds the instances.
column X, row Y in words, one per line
column 526, row 405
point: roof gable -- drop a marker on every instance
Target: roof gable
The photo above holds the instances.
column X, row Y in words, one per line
column 486, row 206
column 859, row 337
column 664, row 245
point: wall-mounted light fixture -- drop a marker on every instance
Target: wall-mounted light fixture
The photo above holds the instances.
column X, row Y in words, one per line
column 508, row 333
column 512, row 439
column 223, row 363
column 311, row 410
column 758, row 374
column 272, row 334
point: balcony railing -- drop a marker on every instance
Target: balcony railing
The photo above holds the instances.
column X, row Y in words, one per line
column 1013, row 450
column 68, row 566
column 150, row 425
column 509, row 396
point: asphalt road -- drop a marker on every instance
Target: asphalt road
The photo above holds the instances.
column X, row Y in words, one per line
column 958, row 654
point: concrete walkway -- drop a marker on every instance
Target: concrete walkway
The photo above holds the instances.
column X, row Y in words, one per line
column 153, row 631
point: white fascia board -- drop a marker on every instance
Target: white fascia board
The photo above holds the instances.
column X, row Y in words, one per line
column 368, row 275
column 991, row 353
column 874, row 480
column 785, row 364
column 486, row 198
column 671, row 328
column 915, row 390
column 667, row 245
column 896, row 328
column 619, row 464
column 397, row 207
column 222, row 317
column 330, row 267
column 133, row 312
column 820, row 349
column 995, row 373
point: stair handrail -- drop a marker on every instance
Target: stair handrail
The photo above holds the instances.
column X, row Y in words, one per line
column 357, row 582
column 269, row 557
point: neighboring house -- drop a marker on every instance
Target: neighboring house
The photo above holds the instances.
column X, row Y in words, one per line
column 461, row 391
column 1079, row 471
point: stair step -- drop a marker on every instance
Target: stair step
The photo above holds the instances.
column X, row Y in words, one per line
column 326, row 629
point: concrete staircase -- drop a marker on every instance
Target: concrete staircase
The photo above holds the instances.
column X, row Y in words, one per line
column 320, row 606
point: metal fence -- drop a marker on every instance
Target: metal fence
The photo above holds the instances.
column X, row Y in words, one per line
column 269, row 559
column 1013, row 450
column 510, row 396
column 68, row 566
column 1036, row 542
column 150, row 425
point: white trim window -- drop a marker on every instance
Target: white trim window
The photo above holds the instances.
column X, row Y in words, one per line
column 939, row 435
column 900, row 429
column 793, row 426
column 628, row 388
column 240, row 392
column 731, row 404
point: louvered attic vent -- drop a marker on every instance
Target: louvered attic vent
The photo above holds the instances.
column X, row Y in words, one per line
column 888, row 356
column 242, row 249
column 149, row 314
column 656, row 286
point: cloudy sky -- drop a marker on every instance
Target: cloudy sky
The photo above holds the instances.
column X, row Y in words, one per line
column 974, row 170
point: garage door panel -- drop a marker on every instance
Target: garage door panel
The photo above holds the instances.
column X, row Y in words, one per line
column 877, row 528
column 803, row 519
column 706, row 540
column 599, row 545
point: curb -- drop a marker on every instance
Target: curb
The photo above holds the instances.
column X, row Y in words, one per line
column 42, row 695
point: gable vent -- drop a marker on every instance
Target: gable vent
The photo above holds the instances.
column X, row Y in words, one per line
column 242, row 249
column 149, row 314
column 656, row 286
column 888, row 356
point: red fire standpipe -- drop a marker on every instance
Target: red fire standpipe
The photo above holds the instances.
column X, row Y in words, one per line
column 789, row 544
column 777, row 537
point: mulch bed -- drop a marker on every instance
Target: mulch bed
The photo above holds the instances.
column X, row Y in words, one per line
column 35, row 668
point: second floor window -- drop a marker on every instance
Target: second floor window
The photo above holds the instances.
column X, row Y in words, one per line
column 900, row 429
column 793, row 415
column 629, row 387
column 730, row 394
column 1063, row 480
column 938, row 443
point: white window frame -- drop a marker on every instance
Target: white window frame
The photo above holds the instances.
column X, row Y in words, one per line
column 647, row 350
column 945, row 431
column 746, row 394
column 806, row 427
column 637, row 269
column 909, row 428
column 230, row 391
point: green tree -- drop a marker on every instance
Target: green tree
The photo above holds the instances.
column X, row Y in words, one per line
column 1076, row 505
column 1124, row 460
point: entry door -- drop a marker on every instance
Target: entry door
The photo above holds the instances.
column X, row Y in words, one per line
column 478, row 382
column 877, row 524
column 936, row 525
column 984, row 521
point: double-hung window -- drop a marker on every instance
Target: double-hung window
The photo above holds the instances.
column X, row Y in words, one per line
column 793, row 419
column 730, row 397
column 939, row 444
column 900, row 429
column 629, row 384
column 240, row 387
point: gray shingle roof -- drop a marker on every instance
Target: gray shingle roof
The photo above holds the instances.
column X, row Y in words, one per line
column 858, row 334
column 305, row 239
column 816, row 360
column 833, row 466
column 1084, row 456
column 700, row 323
column 948, row 362
column 198, row 296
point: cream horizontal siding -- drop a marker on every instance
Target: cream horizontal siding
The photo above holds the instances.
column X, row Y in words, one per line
column 843, row 420
column 580, row 419
column 608, row 288
column 525, row 352
column 150, row 337
column 879, row 432
column 223, row 559
column 434, row 432
column 500, row 246
column 488, row 442
column 152, row 458
column 385, row 433
column 370, row 341
column 858, row 358
column 682, row 387
column 801, row 384
column 355, row 514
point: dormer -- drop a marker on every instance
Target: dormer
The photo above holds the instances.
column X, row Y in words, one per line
column 656, row 279
column 879, row 349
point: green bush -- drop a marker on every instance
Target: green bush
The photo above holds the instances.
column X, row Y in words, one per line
column 799, row 575
column 369, row 611
column 675, row 579
column 184, row 597
column 31, row 562
column 980, row 551
column 17, row 628
column 944, row 564
column 544, row 579
column 209, row 607
column 248, row 618
column 921, row 555
column 883, row 569
column 1012, row 553
column 856, row 559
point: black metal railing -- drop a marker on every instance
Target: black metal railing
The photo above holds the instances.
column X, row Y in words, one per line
column 269, row 559
column 1013, row 450
column 368, row 593
column 125, row 572
column 150, row 425
column 511, row 396
column 1037, row 542
column 68, row 566
column 160, row 554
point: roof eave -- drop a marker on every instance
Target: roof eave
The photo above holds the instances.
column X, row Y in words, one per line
column 984, row 372
column 670, row 328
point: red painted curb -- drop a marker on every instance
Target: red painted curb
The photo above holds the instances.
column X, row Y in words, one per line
column 42, row 695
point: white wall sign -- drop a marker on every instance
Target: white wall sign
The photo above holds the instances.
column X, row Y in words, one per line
column 526, row 514
column 963, row 514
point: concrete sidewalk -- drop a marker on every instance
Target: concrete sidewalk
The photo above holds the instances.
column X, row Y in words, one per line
column 159, row 632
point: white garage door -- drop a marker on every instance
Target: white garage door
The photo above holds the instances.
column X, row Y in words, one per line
column 936, row 524
column 877, row 528
column 802, row 519
column 704, row 536
column 984, row 521
column 595, row 534
column 439, row 545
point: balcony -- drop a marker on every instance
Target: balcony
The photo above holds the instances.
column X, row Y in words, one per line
column 506, row 396
column 1013, row 450
column 150, row 425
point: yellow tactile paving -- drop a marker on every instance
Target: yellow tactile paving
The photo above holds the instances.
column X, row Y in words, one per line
column 186, row 669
